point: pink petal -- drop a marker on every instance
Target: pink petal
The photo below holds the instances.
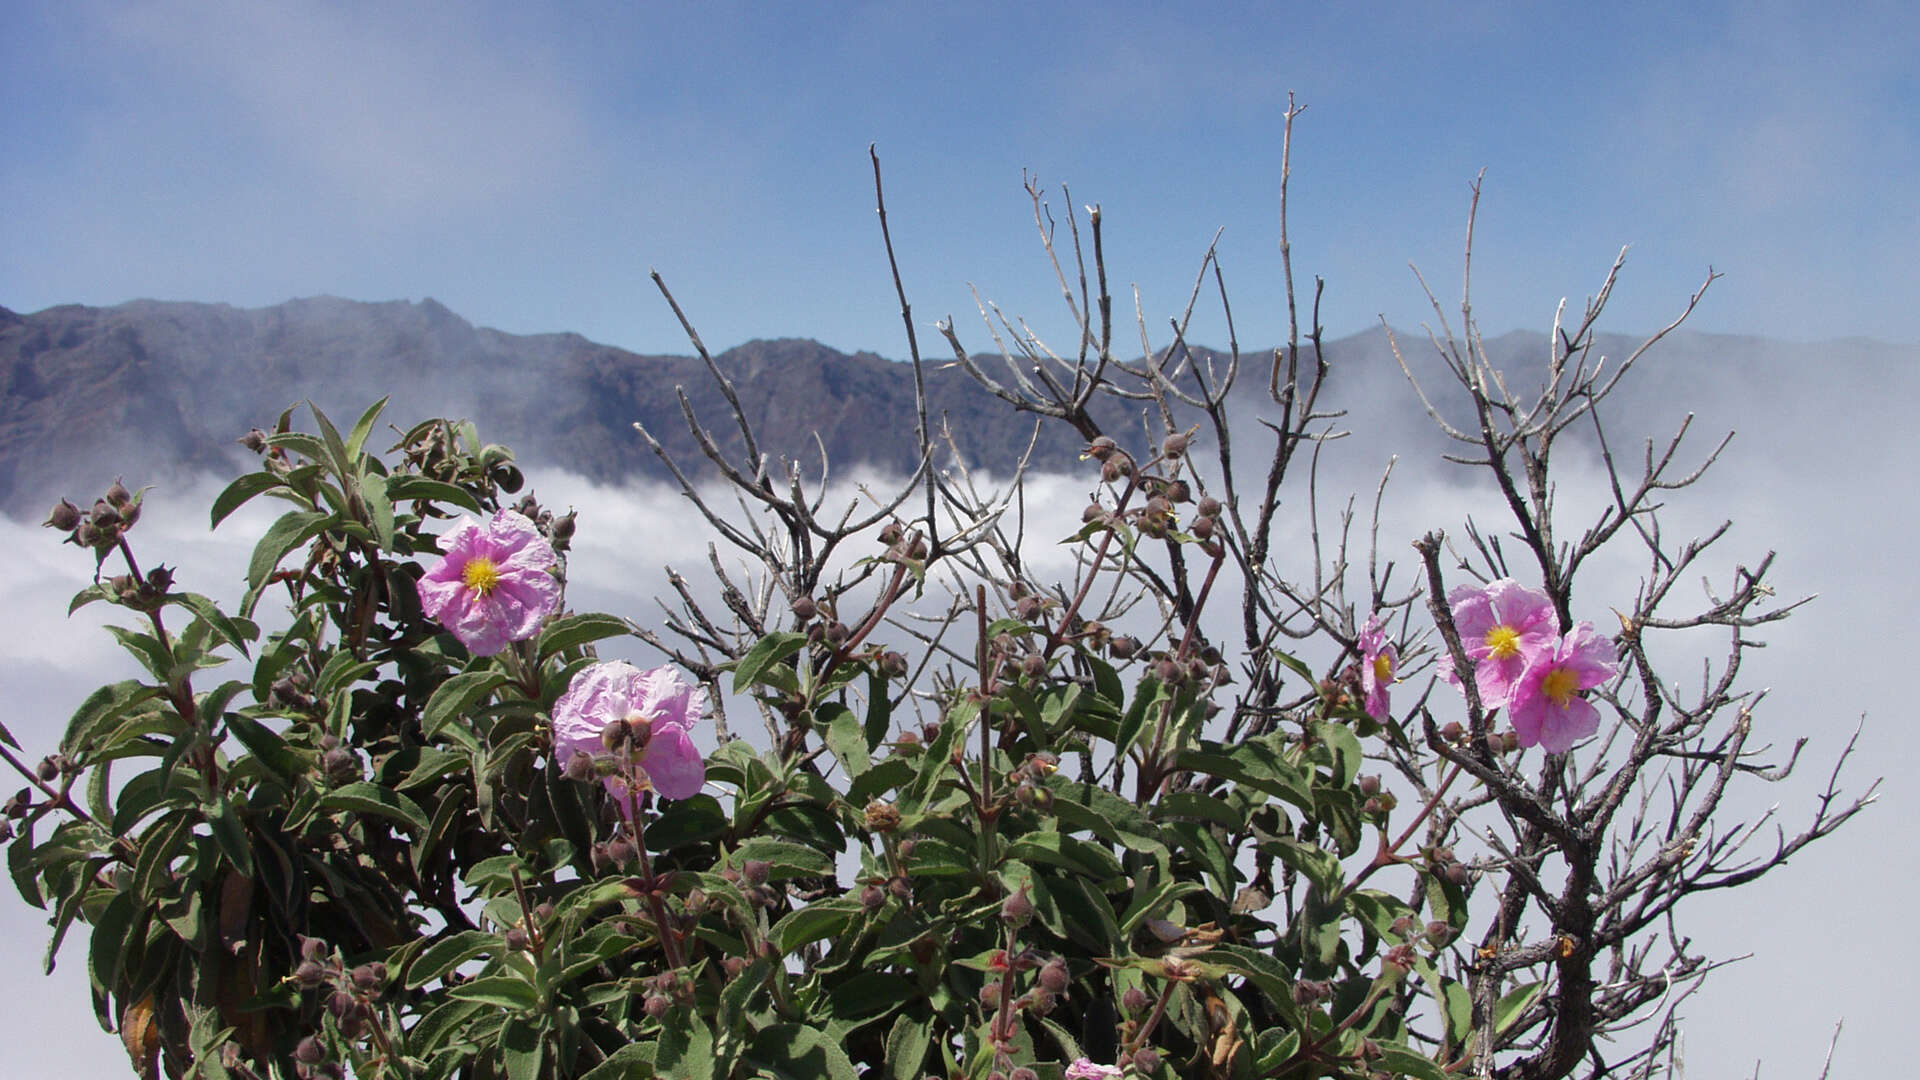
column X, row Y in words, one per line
column 673, row 764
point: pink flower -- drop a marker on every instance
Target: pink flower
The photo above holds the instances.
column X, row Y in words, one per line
column 1085, row 1069
column 1378, row 658
column 633, row 727
column 493, row 585
column 1500, row 626
column 1547, row 708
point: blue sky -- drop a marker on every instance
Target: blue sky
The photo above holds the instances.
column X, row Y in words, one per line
column 528, row 168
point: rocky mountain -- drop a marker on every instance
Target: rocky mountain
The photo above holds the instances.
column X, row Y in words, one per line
column 90, row 392
column 148, row 388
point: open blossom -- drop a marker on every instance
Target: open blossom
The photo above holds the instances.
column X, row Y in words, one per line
column 493, row 585
column 1378, row 659
column 1085, row 1069
column 1547, row 706
column 1501, row 626
column 633, row 726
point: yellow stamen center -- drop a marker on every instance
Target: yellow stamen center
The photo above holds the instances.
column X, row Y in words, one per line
column 1503, row 642
column 1559, row 686
column 1383, row 668
column 481, row 575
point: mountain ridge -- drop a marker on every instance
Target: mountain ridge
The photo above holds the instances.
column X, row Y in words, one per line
column 90, row 392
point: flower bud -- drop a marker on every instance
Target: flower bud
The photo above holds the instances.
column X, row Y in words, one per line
column 1308, row 991
column 308, row 1051
column 65, row 517
column 1017, row 909
column 1054, row 976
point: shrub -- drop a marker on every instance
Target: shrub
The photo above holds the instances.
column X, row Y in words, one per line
column 1113, row 824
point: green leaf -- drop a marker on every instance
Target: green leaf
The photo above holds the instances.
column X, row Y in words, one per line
column 633, row 1061
column 1513, row 1003
column 230, row 834
column 240, row 492
column 766, row 652
column 294, row 528
column 1401, row 1061
column 337, row 454
column 1256, row 763
column 365, row 798
column 102, row 707
column 373, row 494
column 785, row 858
column 585, row 628
column 907, row 1044
column 686, row 1047
column 268, row 747
column 821, row 919
column 421, row 489
column 507, row 991
column 456, row 696
column 1153, row 902
column 799, row 1052
column 153, row 654
column 521, row 1044
column 845, row 737
column 341, row 670
column 448, row 953
column 363, row 427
